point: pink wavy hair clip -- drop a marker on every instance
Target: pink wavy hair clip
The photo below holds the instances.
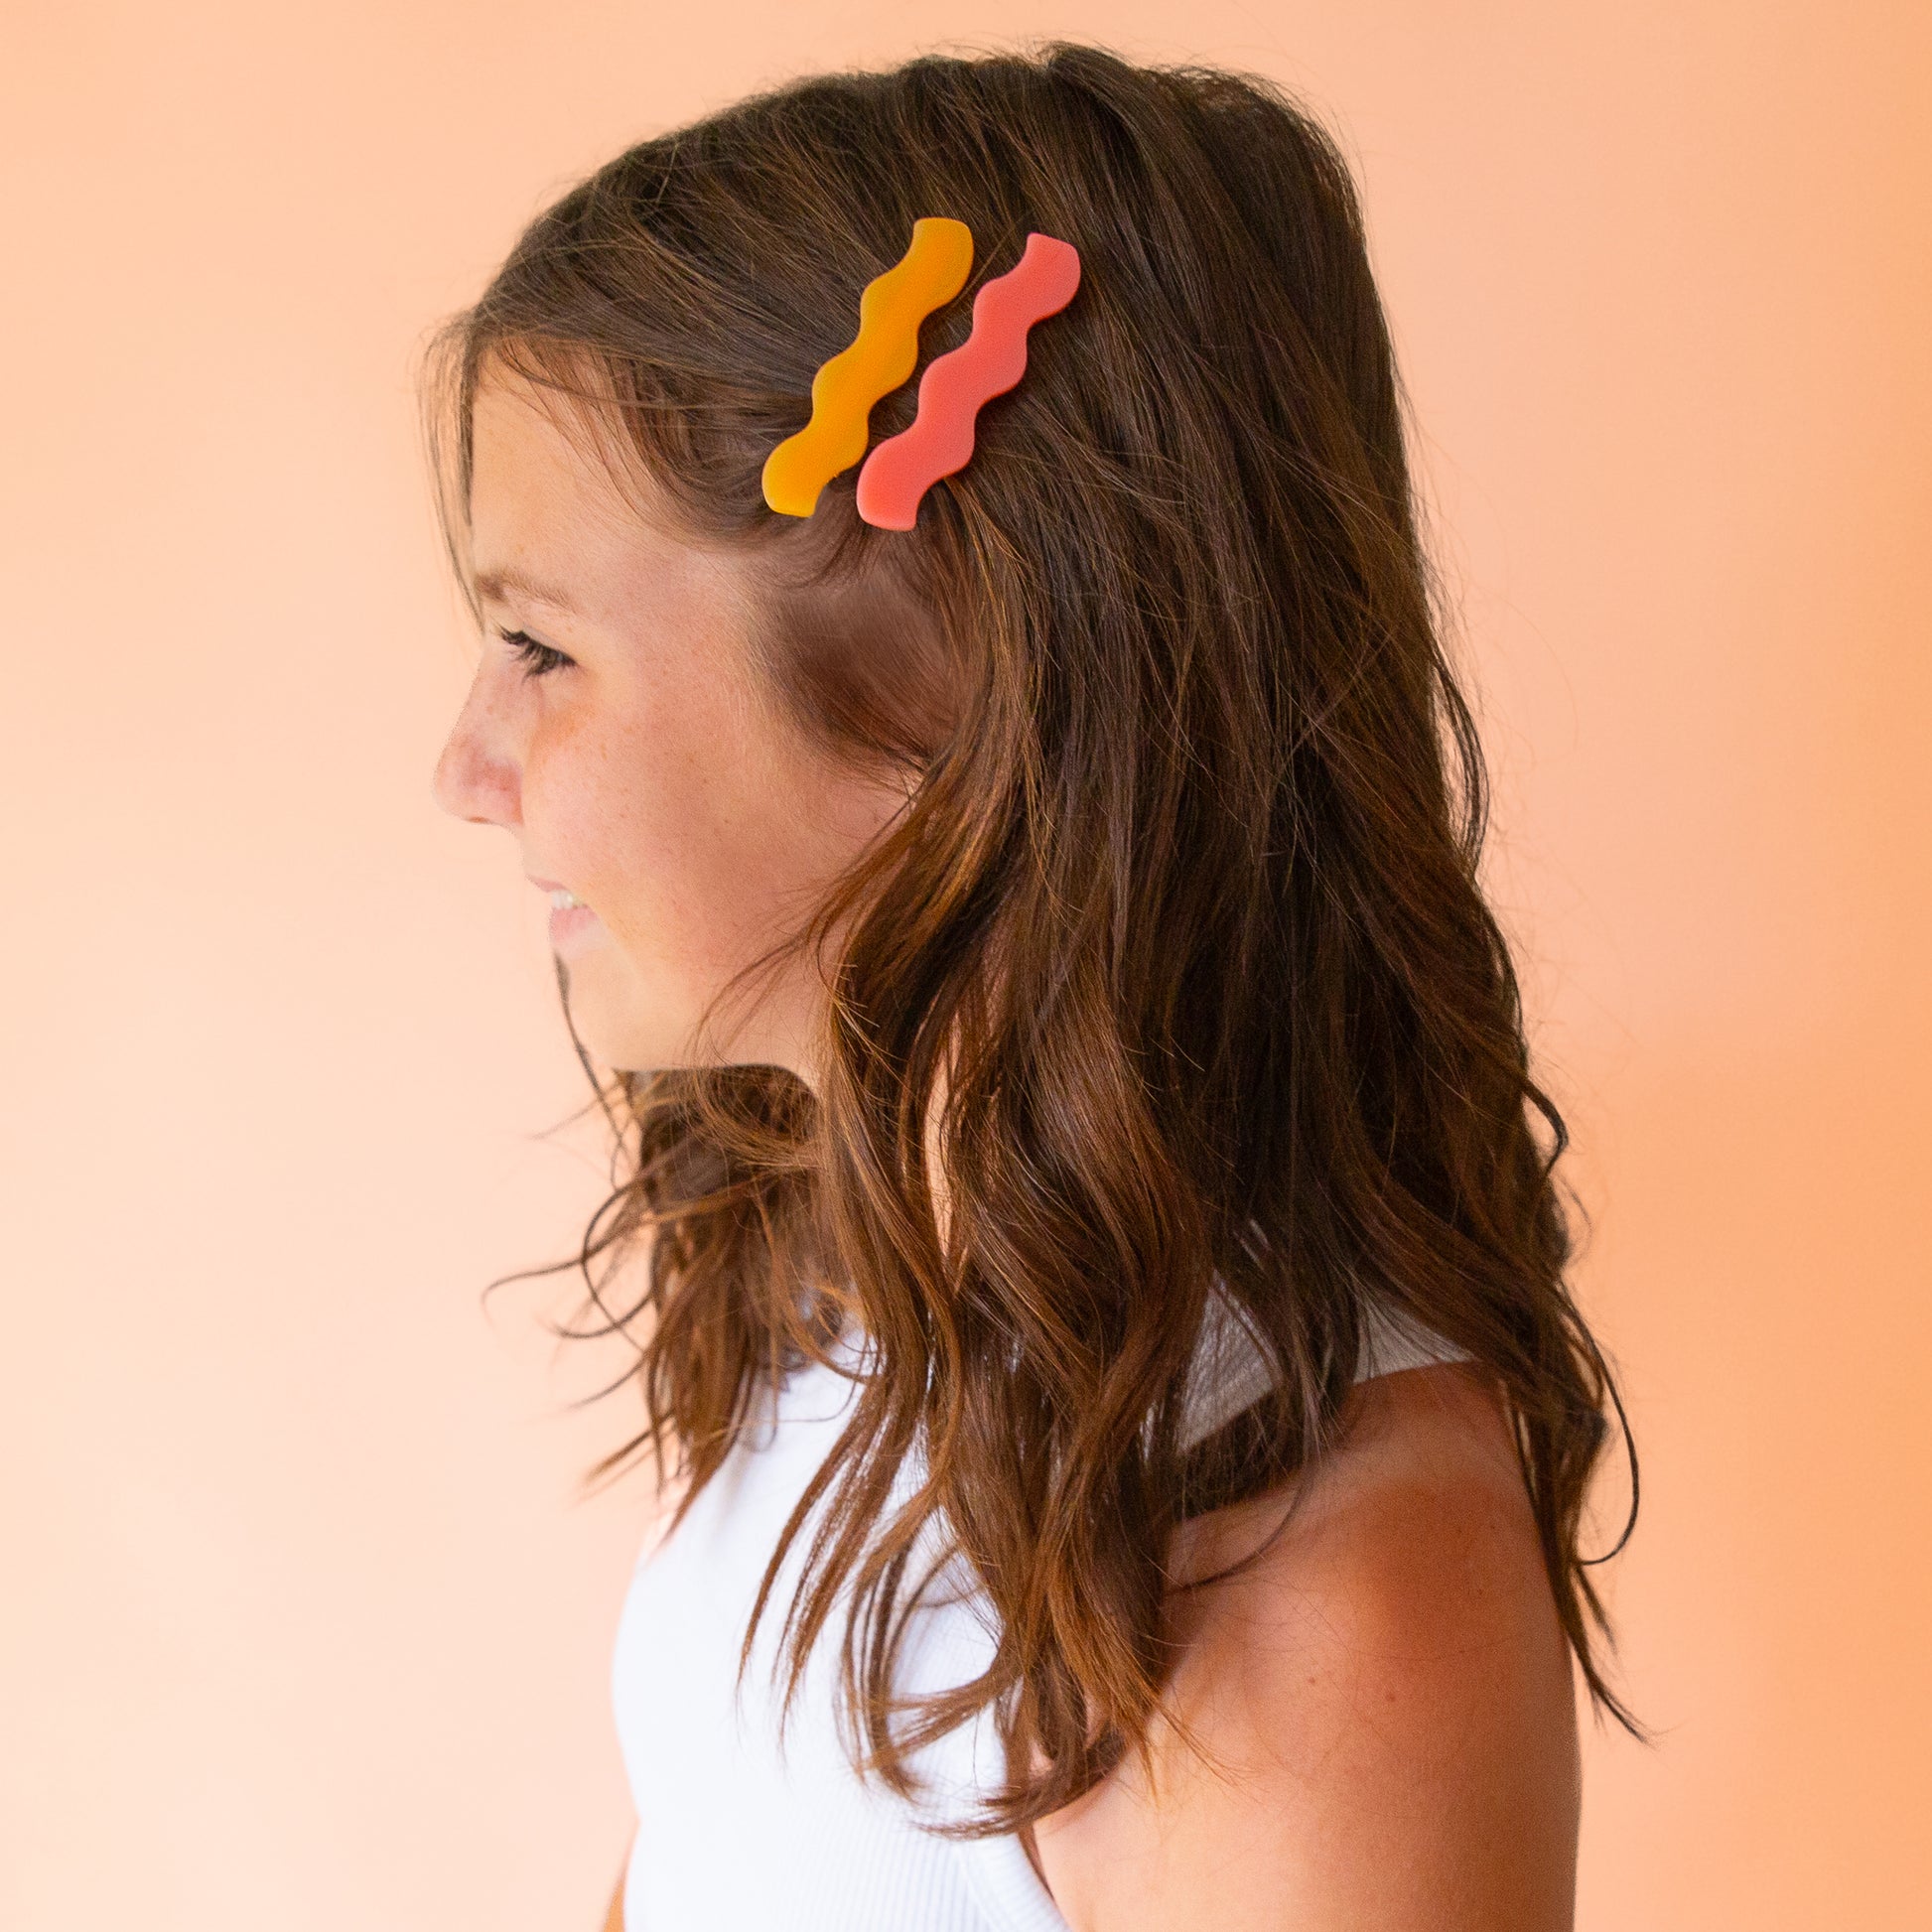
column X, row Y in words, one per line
column 957, row 385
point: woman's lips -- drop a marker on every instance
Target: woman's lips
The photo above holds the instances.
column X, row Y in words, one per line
column 567, row 922
column 570, row 923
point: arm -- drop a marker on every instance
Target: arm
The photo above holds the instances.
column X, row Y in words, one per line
column 1387, row 1693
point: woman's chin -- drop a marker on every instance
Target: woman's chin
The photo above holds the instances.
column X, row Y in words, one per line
column 626, row 1023
column 616, row 1024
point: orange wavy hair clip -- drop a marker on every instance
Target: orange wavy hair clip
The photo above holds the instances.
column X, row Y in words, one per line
column 878, row 359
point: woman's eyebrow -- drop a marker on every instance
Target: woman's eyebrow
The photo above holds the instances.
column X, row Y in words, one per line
column 495, row 587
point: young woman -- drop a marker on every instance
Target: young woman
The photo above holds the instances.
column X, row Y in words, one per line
column 1096, row 1271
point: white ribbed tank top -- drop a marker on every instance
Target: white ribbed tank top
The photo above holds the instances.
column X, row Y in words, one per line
column 735, row 1834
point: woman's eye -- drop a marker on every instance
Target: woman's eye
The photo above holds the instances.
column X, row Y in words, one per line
column 537, row 659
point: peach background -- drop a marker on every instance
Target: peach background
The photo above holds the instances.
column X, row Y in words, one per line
column 304, row 1623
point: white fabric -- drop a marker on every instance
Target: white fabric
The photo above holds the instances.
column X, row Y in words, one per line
column 736, row 1834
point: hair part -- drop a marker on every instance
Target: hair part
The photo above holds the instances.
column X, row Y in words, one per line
column 1176, row 956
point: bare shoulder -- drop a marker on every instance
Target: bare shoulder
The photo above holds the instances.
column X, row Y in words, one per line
column 1382, row 1700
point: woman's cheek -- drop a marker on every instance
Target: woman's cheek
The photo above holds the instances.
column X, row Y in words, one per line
column 626, row 846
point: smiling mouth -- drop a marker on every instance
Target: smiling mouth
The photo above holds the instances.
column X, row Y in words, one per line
column 561, row 897
column 571, row 921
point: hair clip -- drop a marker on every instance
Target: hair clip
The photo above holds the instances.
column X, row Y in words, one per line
column 956, row 385
column 880, row 358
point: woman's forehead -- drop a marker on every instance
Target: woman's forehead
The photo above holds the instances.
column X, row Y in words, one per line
column 551, row 528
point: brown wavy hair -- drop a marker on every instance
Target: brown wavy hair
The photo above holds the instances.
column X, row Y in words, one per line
column 1175, row 961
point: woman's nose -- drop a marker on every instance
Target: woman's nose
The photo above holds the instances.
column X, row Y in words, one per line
column 477, row 776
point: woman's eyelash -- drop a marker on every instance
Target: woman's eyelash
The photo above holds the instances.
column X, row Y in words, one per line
column 537, row 659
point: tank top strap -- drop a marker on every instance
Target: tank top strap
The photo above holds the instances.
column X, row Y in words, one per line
column 1230, row 1370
